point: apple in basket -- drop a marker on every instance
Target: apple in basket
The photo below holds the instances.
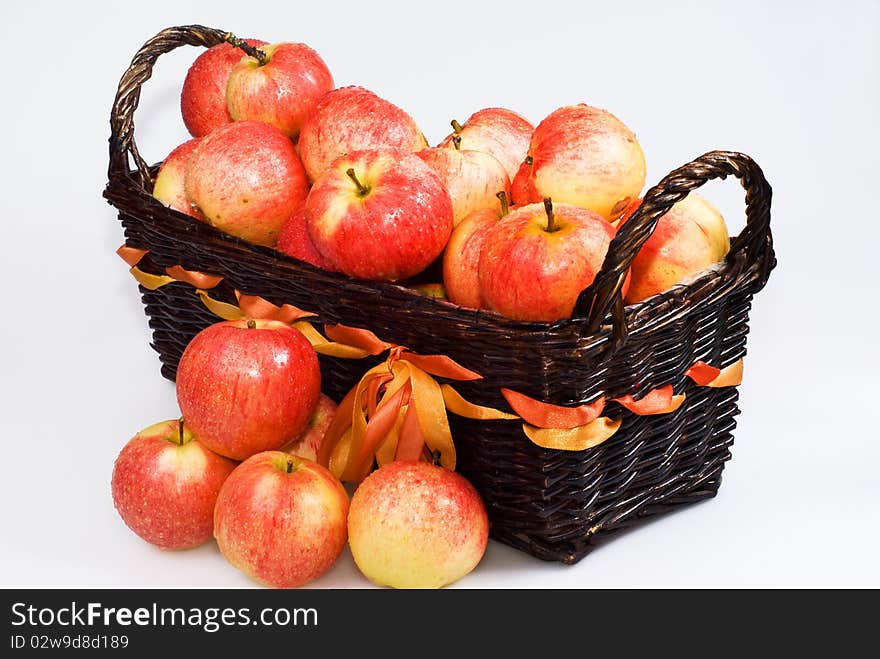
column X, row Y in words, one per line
column 537, row 260
column 294, row 240
column 282, row 88
column 203, row 97
column 585, row 156
column 246, row 179
column 308, row 443
column 165, row 485
column 169, row 184
column 416, row 525
column 246, row 386
column 281, row 520
column 499, row 132
column 353, row 119
column 379, row 214
column 472, row 178
column 689, row 238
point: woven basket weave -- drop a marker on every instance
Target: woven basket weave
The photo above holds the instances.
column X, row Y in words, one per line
column 553, row 504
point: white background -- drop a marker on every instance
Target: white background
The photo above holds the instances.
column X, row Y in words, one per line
column 794, row 84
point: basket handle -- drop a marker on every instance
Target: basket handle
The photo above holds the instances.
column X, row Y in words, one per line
column 128, row 94
column 603, row 296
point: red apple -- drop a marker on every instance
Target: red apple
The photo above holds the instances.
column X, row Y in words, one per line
column 461, row 259
column 294, row 240
column 246, row 179
column 497, row 131
column 379, row 214
column 308, row 443
column 168, row 186
column 473, row 179
column 165, row 484
column 537, row 260
column 248, row 386
column 281, row 520
column 203, row 98
column 522, row 187
column 585, row 156
column 689, row 238
column 416, row 525
column 353, row 119
column 281, row 90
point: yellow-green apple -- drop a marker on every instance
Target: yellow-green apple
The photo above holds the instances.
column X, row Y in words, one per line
column 203, row 97
column 281, row 520
column 246, row 179
column 353, row 119
column 461, row 258
column 416, row 525
column 246, row 386
column 689, row 238
column 497, row 131
column 433, row 290
column 165, row 484
column 537, row 260
column 282, row 88
column 168, row 187
column 379, row 214
column 308, row 443
column 294, row 240
column 473, row 178
column 522, row 187
column 586, row 156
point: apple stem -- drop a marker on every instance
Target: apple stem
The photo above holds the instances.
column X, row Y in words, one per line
column 505, row 203
column 256, row 53
column 289, row 466
column 551, row 220
column 456, row 142
column 362, row 189
column 529, row 160
column 456, row 126
column 252, row 324
column 180, row 431
column 435, row 457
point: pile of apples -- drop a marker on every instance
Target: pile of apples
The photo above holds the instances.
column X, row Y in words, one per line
column 501, row 215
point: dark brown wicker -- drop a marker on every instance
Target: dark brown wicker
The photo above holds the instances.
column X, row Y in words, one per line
column 552, row 504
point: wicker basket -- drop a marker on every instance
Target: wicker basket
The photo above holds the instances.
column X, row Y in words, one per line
column 552, row 504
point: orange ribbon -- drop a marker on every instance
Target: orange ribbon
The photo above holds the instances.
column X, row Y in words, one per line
column 710, row 376
column 657, row 401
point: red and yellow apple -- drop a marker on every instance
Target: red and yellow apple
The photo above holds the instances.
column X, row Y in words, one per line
column 689, row 238
column 351, row 119
column 586, row 156
column 308, row 443
column 282, row 90
column 165, row 484
column 246, row 179
column 203, row 97
column 246, row 386
column 416, row 525
column 294, row 240
column 461, row 259
column 281, row 520
column 472, row 178
column 379, row 214
column 169, row 184
column 500, row 132
column 536, row 261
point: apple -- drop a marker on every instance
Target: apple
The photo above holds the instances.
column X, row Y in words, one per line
column 281, row 520
column 203, row 97
column 282, row 88
column 522, row 187
column 246, row 386
column 473, row 178
column 294, row 240
column 586, row 156
column 379, row 214
column 499, row 132
column 689, row 238
column 537, row 260
column 168, row 187
column 308, row 443
column 416, row 525
column 353, row 119
column 165, row 484
column 246, row 179
column 433, row 290
column 461, row 259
